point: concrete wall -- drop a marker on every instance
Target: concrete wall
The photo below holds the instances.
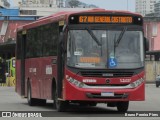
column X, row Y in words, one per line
column 152, row 69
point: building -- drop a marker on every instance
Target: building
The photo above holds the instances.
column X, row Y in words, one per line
column 16, row 3
column 157, row 8
column 4, row 4
column 9, row 22
column 40, row 3
column 145, row 6
column 152, row 32
column 47, row 7
column 41, row 11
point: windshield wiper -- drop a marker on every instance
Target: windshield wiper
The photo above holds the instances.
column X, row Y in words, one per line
column 120, row 37
column 93, row 36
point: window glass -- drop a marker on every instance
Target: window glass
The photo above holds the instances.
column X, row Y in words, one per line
column 18, row 51
column 50, row 38
column 42, row 41
column 110, row 49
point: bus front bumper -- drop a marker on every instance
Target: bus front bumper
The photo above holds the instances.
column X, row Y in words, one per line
column 103, row 94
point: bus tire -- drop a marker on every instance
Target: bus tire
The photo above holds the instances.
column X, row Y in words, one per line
column 84, row 104
column 157, row 85
column 122, row 106
column 61, row 106
column 31, row 101
column 93, row 104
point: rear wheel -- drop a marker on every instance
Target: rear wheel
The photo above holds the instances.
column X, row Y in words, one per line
column 34, row 101
column 122, row 106
column 41, row 102
column 31, row 101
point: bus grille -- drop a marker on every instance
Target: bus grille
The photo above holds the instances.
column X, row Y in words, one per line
column 116, row 96
column 106, row 74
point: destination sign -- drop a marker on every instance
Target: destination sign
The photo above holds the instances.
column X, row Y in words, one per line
column 105, row 19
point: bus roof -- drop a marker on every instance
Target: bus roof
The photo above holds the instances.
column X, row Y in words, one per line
column 65, row 14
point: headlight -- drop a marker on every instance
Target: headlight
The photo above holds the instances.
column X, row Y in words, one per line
column 83, row 85
column 136, row 83
column 75, row 82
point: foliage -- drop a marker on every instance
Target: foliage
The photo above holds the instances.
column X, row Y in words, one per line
column 74, row 3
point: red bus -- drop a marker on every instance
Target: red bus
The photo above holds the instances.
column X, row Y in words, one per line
column 85, row 57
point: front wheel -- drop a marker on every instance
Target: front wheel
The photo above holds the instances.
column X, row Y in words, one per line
column 61, row 106
column 157, row 85
column 122, row 106
column 84, row 104
column 92, row 104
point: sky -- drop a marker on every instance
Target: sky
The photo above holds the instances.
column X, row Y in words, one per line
column 108, row 4
column 113, row 4
column 11, row 2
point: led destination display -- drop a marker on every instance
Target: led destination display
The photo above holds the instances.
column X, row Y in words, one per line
column 105, row 19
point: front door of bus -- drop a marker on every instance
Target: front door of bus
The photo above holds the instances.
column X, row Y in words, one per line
column 23, row 64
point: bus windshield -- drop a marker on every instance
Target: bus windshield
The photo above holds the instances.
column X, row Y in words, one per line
column 84, row 52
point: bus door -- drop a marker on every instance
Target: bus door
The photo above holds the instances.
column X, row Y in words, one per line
column 23, row 64
column 60, row 59
column 20, row 63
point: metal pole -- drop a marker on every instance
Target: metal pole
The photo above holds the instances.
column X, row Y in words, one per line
column 127, row 4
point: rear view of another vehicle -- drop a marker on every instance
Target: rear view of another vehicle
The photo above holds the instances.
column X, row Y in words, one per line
column 10, row 70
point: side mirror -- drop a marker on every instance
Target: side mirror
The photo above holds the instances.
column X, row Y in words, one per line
column 146, row 44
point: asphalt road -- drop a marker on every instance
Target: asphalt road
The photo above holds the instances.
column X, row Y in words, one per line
column 11, row 101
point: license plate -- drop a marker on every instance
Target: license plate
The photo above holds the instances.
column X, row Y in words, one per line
column 107, row 94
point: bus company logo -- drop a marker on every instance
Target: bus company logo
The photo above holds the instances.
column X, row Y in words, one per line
column 6, row 114
column 89, row 80
column 108, row 81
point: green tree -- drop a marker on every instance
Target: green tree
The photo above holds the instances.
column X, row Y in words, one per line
column 74, row 3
